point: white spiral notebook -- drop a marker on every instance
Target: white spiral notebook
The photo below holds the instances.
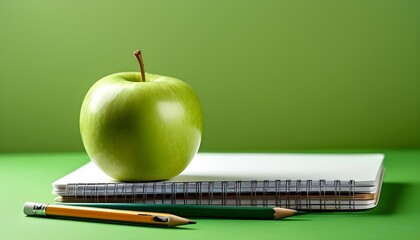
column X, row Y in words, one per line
column 299, row 181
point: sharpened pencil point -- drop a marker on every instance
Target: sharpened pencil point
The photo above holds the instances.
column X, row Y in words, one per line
column 280, row 213
column 300, row 212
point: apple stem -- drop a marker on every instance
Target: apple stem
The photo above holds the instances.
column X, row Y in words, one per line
column 137, row 53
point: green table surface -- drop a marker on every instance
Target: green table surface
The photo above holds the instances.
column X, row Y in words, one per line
column 28, row 177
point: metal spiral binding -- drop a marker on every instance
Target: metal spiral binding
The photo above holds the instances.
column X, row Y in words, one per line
column 185, row 190
column 298, row 195
column 84, row 192
column 337, row 194
column 144, row 191
column 265, row 192
column 123, row 191
column 253, row 193
column 154, row 189
column 106, row 192
column 96, row 191
column 352, row 203
column 322, row 195
column 173, row 193
column 288, row 193
column 305, row 195
column 238, row 193
column 308, row 195
column 200, row 193
column 224, row 193
column 211, row 185
column 278, row 193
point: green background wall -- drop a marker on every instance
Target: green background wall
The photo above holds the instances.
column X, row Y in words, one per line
column 271, row 75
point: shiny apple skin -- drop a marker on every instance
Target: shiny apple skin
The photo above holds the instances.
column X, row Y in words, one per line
column 141, row 131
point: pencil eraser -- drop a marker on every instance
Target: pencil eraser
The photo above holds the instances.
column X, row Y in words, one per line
column 28, row 208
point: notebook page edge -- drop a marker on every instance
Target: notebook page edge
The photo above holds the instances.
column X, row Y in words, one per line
column 79, row 175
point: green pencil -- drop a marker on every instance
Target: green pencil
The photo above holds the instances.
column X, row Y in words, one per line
column 201, row 211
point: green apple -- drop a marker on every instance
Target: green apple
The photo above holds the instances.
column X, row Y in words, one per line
column 140, row 126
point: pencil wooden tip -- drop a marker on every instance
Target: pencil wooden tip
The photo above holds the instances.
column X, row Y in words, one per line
column 280, row 213
column 177, row 220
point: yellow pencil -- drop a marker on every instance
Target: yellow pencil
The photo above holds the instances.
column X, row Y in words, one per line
column 101, row 214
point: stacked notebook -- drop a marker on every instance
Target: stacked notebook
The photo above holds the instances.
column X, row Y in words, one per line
column 310, row 182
